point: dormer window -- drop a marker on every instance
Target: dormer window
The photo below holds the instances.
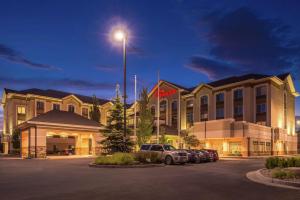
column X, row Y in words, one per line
column 40, row 107
column 85, row 112
column 71, row 108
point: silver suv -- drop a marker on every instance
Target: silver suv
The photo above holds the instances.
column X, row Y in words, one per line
column 168, row 153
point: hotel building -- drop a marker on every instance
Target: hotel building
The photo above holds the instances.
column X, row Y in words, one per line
column 52, row 121
column 245, row 115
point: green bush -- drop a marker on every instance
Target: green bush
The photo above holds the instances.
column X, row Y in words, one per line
column 116, row 159
column 148, row 157
column 273, row 162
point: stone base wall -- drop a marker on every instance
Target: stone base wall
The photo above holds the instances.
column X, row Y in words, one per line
column 41, row 152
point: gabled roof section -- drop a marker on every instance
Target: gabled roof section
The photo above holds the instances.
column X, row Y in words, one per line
column 64, row 117
column 55, row 94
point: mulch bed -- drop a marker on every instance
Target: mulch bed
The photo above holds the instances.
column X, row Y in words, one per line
column 126, row 166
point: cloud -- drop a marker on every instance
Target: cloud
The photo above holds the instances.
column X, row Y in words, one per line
column 11, row 55
column 213, row 69
column 57, row 83
column 248, row 42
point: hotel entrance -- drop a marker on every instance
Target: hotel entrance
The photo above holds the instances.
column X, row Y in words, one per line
column 60, row 145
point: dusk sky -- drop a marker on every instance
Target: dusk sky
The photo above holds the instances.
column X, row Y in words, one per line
column 65, row 45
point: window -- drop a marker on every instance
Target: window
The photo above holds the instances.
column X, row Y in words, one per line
column 220, row 113
column 56, row 106
column 238, row 110
column 261, row 91
column 204, row 108
column 21, row 109
column 261, row 108
column 220, row 106
column 238, row 94
column 285, row 110
column 163, row 111
column 174, row 114
column 71, row 108
column 189, row 113
column 204, row 100
column 220, row 98
column 145, row 147
column 85, row 112
column 156, row 148
column 21, row 114
column 40, row 107
column 238, row 104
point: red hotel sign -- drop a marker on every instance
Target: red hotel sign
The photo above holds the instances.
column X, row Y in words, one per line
column 163, row 93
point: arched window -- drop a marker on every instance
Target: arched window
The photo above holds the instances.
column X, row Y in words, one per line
column 174, row 114
column 163, row 111
column 189, row 113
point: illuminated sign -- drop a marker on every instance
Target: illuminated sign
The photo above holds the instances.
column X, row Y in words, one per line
column 163, row 93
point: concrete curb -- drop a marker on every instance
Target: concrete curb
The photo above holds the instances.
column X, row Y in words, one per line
column 257, row 177
column 126, row 166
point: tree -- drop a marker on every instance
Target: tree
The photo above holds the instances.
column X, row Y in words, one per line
column 114, row 131
column 95, row 112
column 16, row 136
column 145, row 124
column 191, row 141
column 162, row 135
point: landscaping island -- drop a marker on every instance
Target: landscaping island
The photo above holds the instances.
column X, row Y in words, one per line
column 281, row 172
column 128, row 160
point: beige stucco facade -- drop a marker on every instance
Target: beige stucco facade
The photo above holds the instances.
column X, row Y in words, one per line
column 12, row 100
column 267, row 131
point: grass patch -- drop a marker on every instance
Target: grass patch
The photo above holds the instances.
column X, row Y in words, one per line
column 283, row 174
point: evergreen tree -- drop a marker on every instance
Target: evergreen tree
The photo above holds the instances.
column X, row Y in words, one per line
column 95, row 112
column 114, row 132
column 16, row 136
column 145, row 124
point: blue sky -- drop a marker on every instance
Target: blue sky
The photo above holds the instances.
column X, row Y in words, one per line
column 65, row 44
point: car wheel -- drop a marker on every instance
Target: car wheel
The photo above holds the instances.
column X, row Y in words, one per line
column 168, row 160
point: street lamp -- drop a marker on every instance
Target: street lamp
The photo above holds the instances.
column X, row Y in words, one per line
column 121, row 36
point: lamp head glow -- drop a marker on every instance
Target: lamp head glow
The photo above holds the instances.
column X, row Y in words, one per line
column 119, row 35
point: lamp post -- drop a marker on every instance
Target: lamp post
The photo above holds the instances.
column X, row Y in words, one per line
column 121, row 36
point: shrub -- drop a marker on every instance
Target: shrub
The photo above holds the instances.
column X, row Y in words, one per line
column 148, row 157
column 273, row 162
column 282, row 174
column 116, row 159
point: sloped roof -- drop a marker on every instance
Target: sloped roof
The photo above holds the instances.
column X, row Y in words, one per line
column 234, row 79
column 64, row 117
column 55, row 94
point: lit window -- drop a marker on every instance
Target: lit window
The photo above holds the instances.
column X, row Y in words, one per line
column 189, row 113
column 71, row 108
column 21, row 109
column 56, row 106
column 298, row 122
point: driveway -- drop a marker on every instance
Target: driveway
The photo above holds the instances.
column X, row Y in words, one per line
column 73, row 179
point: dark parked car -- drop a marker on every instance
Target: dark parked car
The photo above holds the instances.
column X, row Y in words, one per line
column 213, row 154
column 198, row 156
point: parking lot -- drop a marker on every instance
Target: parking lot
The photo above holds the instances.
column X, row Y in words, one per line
column 73, row 179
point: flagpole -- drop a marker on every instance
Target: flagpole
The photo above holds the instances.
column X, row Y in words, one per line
column 135, row 104
column 158, row 109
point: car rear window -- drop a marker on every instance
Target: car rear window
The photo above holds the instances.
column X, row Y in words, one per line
column 156, row 148
column 145, row 147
